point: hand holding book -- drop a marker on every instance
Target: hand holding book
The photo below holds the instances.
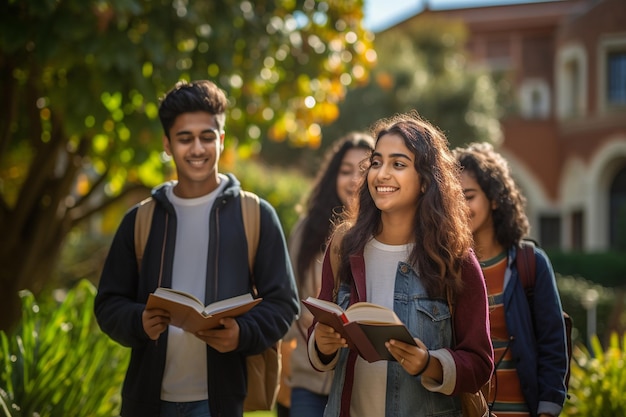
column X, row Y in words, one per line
column 365, row 326
column 190, row 314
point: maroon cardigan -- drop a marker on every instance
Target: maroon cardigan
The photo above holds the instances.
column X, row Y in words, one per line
column 473, row 354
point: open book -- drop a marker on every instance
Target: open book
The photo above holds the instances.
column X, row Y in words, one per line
column 365, row 326
column 190, row 314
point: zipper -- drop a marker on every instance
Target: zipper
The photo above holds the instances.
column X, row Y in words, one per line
column 216, row 250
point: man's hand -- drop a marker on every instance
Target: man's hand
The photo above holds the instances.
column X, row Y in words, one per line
column 155, row 322
column 225, row 339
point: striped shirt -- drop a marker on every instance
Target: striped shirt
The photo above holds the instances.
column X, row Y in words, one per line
column 506, row 393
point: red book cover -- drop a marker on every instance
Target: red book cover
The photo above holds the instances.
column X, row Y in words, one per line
column 329, row 313
column 365, row 326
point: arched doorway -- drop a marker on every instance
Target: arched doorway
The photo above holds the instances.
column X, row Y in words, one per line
column 617, row 211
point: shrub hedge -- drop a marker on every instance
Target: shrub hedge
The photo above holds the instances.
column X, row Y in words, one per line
column 605, row 268
column 283, row 189
column 573, row 290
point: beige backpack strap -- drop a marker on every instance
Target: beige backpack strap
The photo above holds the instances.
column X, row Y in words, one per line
column 251, row 213
column 143, row 222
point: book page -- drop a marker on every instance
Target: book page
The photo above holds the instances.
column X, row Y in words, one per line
column 325, row 305
column 179, row 297
column 227, row 304
column 364, row 312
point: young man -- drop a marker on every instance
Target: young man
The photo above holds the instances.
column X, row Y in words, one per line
column 196, row 244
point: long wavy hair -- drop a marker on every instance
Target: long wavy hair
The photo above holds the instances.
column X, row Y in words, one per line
column 443, row 237
column 493, row 175
column 323, row 206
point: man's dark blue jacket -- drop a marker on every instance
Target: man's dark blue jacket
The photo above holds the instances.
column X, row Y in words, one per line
column 123, row 291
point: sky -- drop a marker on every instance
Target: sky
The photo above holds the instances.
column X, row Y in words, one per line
column 381, row 14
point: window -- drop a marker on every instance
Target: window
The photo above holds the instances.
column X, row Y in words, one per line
column 572, row 73
column 612, row 73
column 617, row 208
column 550, row 231
column 616, row 78
column 535, row 99
column 498, row 54
column 577, row 230
column 571, row 82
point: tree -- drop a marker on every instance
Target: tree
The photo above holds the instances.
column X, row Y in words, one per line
column 81, row 79
column 424, row 67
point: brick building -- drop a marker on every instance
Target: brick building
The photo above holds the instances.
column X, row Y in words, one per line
column 566, row 141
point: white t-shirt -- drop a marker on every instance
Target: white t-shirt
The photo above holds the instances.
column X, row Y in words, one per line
column 185, row 376
column 370, row 379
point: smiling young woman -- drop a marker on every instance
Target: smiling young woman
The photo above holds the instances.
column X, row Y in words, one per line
column 334, row 189
column 405, row 245
column 531, row 360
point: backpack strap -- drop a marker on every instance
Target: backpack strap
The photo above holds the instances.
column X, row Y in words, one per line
column 526, row 266
column 143, row 222
column 251, row 214
column 250, row 211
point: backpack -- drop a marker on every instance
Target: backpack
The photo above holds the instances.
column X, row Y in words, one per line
column 526, row 268
column 263, row 370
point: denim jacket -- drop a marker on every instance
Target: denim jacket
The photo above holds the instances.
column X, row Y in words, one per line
column 538, row 340
column 430, row 320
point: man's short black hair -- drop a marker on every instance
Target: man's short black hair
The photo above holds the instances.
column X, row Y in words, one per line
column 190, row 97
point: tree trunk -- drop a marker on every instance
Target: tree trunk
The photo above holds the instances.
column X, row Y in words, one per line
column 28, row 264
column 10, row 312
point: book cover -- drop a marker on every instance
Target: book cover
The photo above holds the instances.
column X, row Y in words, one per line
column 365, row 326
column 190, row 314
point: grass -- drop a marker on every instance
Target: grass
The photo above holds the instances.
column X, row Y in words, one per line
column 260, row 414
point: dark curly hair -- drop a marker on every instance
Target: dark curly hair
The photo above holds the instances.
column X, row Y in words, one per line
column 491, row 172
column 323, row 207
column 443, row 237
column 190, row 97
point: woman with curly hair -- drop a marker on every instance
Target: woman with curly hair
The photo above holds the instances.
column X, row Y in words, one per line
column 333, row 189
column 528, row 338
column 405, row 246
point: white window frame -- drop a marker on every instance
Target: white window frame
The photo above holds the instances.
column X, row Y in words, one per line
column 529, row 109
column 606, row 45
column 576, row 54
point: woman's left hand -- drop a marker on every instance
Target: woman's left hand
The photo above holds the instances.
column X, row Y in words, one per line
column 413, row 359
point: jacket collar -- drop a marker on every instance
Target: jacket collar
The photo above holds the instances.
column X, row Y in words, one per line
column 232, row 188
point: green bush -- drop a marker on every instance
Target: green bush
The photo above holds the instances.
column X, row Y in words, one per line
column 285, row 190
column 572, row 291
column 605, row 268
column 598, row 380
column 57, row 362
